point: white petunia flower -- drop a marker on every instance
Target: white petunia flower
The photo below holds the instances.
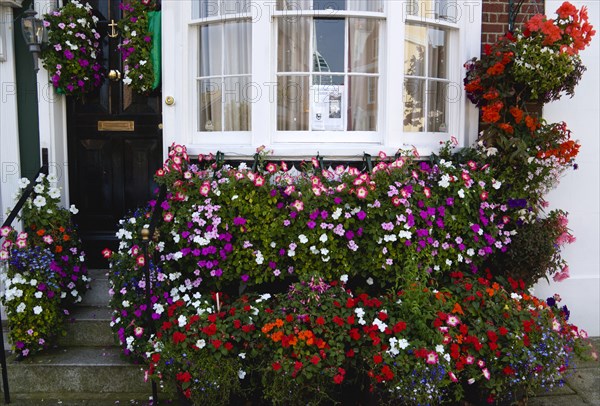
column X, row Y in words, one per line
column 39, row 201
column 23, row 182
column 37, row 310
column 54, row 193
column 73, row 209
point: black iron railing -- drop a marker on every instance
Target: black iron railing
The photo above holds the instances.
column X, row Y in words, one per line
column 11, row 217
column 147, row 235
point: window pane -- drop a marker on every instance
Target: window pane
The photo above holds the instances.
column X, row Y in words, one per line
column 329, row 39
column 362, row 98
column 293, row 44
column 446, row 10
column 328, row 80
column 415, row 45
column 210, row 50
column 205, row 8
column 327, row 103
column 363, row 47
column 365, row 5
column 292, row 103
column 438, row 68
column 237, row 95
column 354, row 5
column 414, row 90
column 209, row 91
column 294, row 4
column 235, row 6
column 329, row 4
column 238, row 49
column 437, row 102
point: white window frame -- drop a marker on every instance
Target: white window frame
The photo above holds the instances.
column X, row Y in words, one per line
column 180, row 49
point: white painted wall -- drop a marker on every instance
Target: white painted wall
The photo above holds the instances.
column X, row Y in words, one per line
column 579, row 191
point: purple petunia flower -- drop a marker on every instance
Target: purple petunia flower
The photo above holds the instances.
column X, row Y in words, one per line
column 68, row 54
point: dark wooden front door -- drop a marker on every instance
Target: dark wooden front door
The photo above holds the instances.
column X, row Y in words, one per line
column 110, row 168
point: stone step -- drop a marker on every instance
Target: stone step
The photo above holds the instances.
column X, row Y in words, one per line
column 75, row 370
column 97, row 295
column 88, row 326
column 81, row 399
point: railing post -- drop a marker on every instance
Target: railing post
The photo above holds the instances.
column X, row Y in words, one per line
column 147, row 234
column 5, row 386
column 13, row 214
column 45, row 165
column 145, row 243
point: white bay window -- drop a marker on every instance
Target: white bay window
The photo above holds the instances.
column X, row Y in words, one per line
column 338, row 77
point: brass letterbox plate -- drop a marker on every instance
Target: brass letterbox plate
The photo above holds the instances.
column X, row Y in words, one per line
column 116, row 126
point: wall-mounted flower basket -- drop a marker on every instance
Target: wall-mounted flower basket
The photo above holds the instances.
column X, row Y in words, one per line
column 73, row 54
column 140, row 49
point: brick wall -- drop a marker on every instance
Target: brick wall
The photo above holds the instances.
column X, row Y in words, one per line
column 495, row 17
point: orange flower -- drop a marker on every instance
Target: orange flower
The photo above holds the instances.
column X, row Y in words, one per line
column 496, row 69
column 276, row 336
column 491, row 113
column 41, row 232
column 279, row 322
column 457, row 309
column 61, row 229
column 551, row 31
column 474, row 86
column 267, row 327
column 491, row 94
column 66, row 237
column 517, row 114
column 531, row 123
column 58, row 249
column 566, row 10
column 506, row 128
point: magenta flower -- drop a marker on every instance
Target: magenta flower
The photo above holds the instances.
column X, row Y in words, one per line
column 68, row 54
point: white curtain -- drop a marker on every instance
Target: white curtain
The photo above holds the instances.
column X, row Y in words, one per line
column 365, row 5
column 293, row 47
column 225, row 65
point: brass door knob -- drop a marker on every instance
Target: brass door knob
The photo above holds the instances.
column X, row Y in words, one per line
column 169, row 101
column 114, row 75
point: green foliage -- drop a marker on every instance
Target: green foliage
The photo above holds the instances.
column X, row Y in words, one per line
column 534, row 251
column 136, row 45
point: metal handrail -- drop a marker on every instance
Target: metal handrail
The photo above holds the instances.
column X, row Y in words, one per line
column 11, row 217
column 147, row 235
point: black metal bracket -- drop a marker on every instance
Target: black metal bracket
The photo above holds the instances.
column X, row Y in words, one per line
column 514, row 8
column 368, row 161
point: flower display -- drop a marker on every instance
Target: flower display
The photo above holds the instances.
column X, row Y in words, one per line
column 73, row 55
column 31, row 287
column 406, row 283
column 46, row 273
column 136, row 45
column 533, row 66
